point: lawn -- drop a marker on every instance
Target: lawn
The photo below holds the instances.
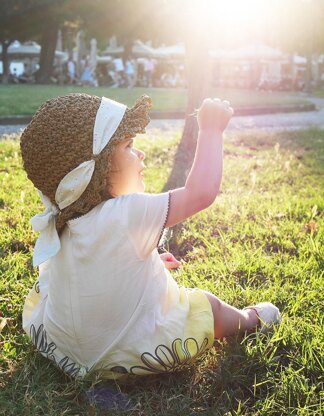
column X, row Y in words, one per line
column 319, row 92
column 261, row 240
column 25, row 99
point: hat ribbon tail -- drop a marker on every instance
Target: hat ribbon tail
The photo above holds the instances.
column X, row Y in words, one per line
column 48, row 243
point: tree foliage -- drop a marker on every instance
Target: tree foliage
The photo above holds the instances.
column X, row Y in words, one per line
column 25, row 19
column 297, row 25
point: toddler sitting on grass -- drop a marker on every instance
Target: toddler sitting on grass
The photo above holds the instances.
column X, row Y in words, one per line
column 105, row 304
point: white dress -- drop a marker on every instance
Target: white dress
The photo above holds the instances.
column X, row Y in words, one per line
column 105, row 304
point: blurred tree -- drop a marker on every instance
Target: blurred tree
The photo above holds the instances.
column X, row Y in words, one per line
column 292, row 25
column 40, row 19
column 127, row 19
column 198, row 61
column 17, row 23
column 297, row 27
column 295, row 22
column 25, row 19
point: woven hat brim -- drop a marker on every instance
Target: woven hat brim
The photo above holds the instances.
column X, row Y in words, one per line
column 135, row 119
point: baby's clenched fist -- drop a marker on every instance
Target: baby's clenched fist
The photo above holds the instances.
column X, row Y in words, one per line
column 214, row 114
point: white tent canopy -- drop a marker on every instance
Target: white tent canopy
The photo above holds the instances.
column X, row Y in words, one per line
column 28, row 49
column 172, row 51
column 141, row 49
column 254, row 51
column 299, row 60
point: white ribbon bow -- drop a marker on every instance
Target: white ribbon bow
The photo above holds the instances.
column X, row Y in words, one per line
column 72, row 186
column 48, row 243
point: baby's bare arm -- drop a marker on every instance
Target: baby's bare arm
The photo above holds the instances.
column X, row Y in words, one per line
column 204, row 179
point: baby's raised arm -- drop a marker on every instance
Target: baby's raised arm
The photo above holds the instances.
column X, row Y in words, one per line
column 203, row 182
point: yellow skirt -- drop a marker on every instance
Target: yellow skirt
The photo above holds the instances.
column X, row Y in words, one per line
column 173, row 354
column 175, row 346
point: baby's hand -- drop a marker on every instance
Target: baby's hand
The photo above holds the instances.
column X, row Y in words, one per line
column 170, row 262
column 214, row 114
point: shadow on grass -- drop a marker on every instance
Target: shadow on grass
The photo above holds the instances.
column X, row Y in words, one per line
column 233, row 374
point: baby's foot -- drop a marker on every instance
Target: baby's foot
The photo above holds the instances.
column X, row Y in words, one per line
column 267, row 313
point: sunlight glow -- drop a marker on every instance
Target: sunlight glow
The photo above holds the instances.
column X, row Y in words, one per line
column 237, row 11
column 238, row 20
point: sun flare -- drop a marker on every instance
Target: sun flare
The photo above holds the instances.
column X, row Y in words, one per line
column 237, row 20
column 240, row 17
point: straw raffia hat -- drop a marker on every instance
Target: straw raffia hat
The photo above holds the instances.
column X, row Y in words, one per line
column 60, row 137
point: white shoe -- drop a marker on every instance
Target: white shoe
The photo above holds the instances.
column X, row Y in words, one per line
column 268, row 315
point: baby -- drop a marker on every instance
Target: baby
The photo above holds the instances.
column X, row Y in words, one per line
column 105, row 304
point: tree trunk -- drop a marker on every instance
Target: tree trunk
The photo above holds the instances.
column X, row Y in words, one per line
column 5, row 61
column 308, row 73
column 291, row 73
column 310, row 49
column 198, row 86
column 69, row 43
column 46, row 60
column 316, row 70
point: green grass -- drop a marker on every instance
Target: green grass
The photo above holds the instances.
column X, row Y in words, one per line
column 261, row 240
column 25, row 99
column 319, row 92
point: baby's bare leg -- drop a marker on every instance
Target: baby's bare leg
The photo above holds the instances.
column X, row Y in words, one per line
column 229, row 320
